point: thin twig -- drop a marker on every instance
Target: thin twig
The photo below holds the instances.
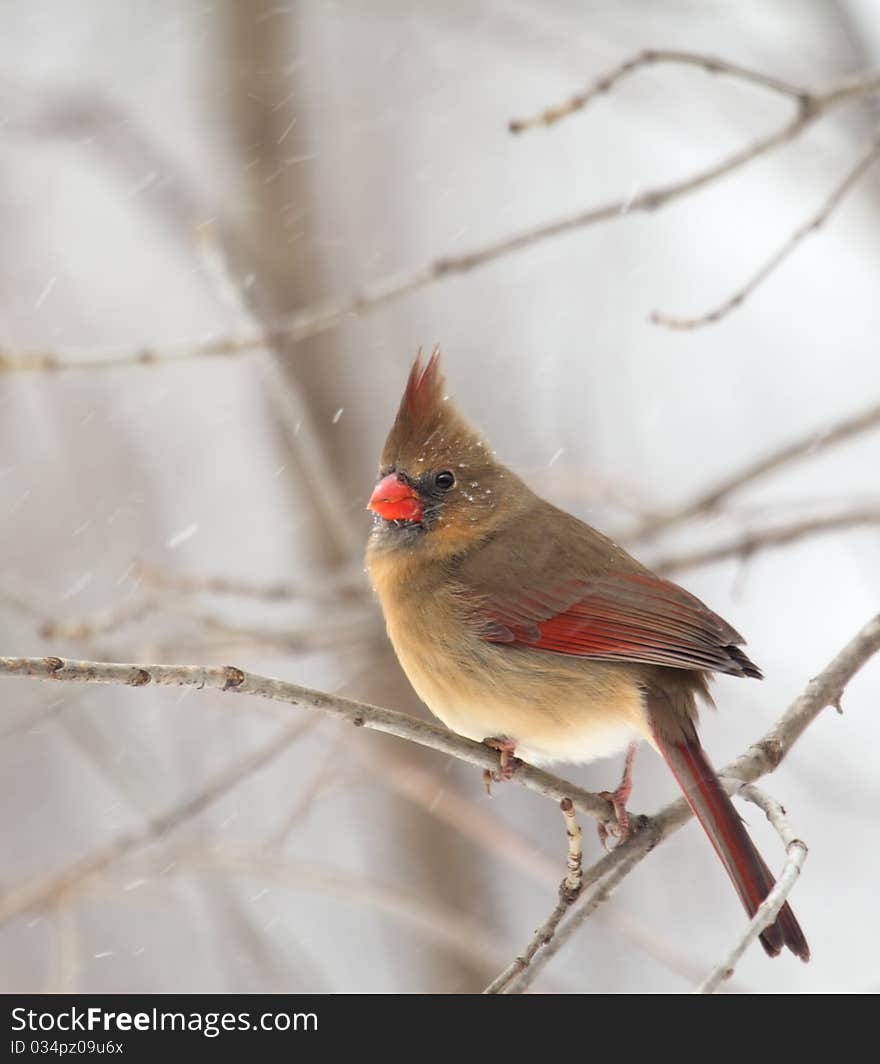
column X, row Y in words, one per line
column 600, row 890
column 439, row 798
column 812, row 225
column 768, row 910
column 302, row 639
column 296, row 639
column 749, row 543
column 332, row 586
column 575, row 855
column 432, row 918
column 709, row 500
column 652, row 57
column 569, row 890
column 83, row 629
column 774, row 812
column 311, row 321
column 233, row 680
column 49, row 890
column 327, row 776
column 19, row 604
column 762, row 757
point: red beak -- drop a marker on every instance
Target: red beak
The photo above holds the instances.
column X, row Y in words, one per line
column 395, row 500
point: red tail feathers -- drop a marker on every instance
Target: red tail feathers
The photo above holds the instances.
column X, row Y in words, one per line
column 745, row 866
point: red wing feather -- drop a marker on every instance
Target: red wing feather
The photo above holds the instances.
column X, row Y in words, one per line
column 622, row 617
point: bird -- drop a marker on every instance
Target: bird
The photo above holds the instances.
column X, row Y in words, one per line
column 519, row 625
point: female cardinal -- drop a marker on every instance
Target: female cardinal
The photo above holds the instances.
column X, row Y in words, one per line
column 518, row 624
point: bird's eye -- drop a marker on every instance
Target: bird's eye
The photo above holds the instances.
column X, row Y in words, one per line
column 445, row 479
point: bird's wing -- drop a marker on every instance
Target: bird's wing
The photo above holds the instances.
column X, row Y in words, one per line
column 616, row 617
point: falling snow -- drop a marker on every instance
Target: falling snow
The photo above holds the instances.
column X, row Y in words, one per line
column 44, row 295
column 182, row 536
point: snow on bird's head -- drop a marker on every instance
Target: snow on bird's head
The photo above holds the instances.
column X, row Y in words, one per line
column 428, row 429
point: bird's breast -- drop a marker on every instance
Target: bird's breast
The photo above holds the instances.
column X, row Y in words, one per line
column 554, row 707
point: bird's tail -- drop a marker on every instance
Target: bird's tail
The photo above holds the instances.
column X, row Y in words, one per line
column 745, row 866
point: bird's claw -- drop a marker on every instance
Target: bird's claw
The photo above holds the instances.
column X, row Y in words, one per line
column 620, row 829
column 507, row 762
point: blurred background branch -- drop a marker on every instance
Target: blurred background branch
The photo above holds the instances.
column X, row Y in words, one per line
column 811, row 105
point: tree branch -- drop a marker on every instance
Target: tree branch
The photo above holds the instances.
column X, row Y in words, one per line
column 601, row 889
column 762, row 757
column 436, row 920
column 232, row 680
column 431, row 791
column 82, row 629
column 709, row 500
column 812, row 225
column 310, row 321
column 50, row 890
column 749, row 543
column 333, row 586
column 292, row 639
column 768, row 910
column 569, row 890
column 652, row 57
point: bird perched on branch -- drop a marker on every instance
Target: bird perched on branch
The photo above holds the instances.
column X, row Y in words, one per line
column 521, row 626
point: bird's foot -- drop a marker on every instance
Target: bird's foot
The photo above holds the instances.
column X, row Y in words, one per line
column 507, row 763
column 620, row 828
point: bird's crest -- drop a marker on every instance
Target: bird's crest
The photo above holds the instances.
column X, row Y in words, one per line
column 427, row 426
column 424, row 387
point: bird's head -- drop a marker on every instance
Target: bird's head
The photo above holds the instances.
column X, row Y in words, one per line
column 439, row 484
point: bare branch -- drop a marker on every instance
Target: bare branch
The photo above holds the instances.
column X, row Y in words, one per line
column 329, row 634
column 437, row 921
column 50, row 890
column 328, row 776
column 439, row 798
column 768, row 910
column 601, row 889
column 82, row 629
column 575, row 855
column 708, row 501
column 812, row 225
column 762, row 757
column 301, row 639
column 569, row 890
column 750, row 543
column 653, row 57
column 311, row 321
column 19, row 604
column 229, row 678
column 289, row 329
column 823, row 690
column 332, row 586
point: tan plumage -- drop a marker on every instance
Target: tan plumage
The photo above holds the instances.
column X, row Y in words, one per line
column 514, row 619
